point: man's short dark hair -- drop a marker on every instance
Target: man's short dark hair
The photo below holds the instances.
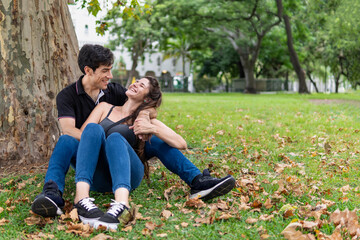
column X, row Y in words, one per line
column 93, row 56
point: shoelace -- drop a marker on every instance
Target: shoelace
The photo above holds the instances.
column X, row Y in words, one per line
column 116, row 208
column 88, row 203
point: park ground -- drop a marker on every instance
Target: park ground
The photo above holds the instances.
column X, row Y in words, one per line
column 295, row 159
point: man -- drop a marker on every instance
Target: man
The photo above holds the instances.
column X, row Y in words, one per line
column 75, row 103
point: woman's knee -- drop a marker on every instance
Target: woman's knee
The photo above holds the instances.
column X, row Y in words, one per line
column 93, row 129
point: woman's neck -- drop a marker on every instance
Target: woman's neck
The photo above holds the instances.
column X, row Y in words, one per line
column 129, row 107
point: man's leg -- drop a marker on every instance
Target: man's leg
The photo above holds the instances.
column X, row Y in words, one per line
column 50, row 201
column 202, row 185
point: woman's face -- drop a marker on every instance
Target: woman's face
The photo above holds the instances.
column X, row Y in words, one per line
column 139, row 89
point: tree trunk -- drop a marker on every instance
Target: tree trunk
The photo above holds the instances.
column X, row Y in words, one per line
column 294, row 57
column 248, row 67
column 312, row 81
column 38, row 58
column 132, row 71
column 337, row 83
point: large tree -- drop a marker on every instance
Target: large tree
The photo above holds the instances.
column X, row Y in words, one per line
column 38, row 58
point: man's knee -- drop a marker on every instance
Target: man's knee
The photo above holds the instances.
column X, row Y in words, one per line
column 68, row 142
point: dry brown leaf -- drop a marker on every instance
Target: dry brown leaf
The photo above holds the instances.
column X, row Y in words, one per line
column 220, row 132
column 251, row 220
column 127, row 229
column 150, row 225
column 203, row 220
column 184, row 224
column 345, row 188
column 36, row 220
column 161, row 235
column 21, row 185
column 268, row 204
column 1, row 209
column 74, row 215
column 146, row 232
column 195, row 202
column 264, row 236
column 291, row 233
column 288, row 213
column 256, row 204
column 222, row 205
column 309, row 225
column 166, row 214
column 102, row 236
column 3, row 221
column 224, row 216
column 266, row 217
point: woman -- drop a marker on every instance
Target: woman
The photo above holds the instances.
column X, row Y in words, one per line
column 106, row 159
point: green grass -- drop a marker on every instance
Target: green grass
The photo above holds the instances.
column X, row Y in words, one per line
column 237, row 134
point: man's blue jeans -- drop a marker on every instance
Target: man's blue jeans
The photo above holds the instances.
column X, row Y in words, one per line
column 66, row 149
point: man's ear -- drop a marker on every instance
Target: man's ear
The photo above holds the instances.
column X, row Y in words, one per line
column 88, row 70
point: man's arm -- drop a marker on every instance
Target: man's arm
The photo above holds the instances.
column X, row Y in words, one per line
column 67, row 125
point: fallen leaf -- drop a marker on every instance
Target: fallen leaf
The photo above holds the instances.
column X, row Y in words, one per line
column 251, row 220
column 145, row 232
column 161, row 235
column 3, row 221
column 102, row 236
column 127, row 229
column 1, row 209
column 195, row 202
column 150, row 225
column 268, row 204
column 166, row 214
column 184, row 224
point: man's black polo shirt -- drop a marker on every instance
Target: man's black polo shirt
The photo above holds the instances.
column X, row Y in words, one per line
column 75, row 103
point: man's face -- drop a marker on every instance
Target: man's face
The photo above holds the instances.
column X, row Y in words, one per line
column 101, row 76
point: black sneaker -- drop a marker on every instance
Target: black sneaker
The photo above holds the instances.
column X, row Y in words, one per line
column 88, row 212
column 206, row 187
column 50, row 202
column 116, row 214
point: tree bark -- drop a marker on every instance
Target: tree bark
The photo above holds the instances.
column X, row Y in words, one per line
column 38, row 58
column 312, row 81
column 294, row 57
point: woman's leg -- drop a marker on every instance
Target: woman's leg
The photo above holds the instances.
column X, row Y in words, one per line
column 127, row 172
column 91, row 142
column 126, row 168
column 92, row 139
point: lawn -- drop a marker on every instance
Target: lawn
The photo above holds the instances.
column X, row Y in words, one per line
column 295, row 160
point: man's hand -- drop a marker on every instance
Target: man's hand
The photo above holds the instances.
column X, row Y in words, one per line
column 142, row 126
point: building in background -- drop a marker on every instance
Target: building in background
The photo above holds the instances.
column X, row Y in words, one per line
column 169, row 72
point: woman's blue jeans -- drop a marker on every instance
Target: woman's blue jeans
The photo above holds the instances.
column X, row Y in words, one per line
column 66, row 149
column 107, row 163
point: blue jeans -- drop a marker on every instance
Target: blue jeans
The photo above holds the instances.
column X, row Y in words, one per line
column 107, row 163
column 66, row 149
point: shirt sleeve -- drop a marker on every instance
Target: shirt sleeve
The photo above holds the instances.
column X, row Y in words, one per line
column 65, row 105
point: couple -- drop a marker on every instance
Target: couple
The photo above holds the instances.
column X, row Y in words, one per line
column 105, row 127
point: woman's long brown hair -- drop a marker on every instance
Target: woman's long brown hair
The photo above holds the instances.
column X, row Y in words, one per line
column 154, row 101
